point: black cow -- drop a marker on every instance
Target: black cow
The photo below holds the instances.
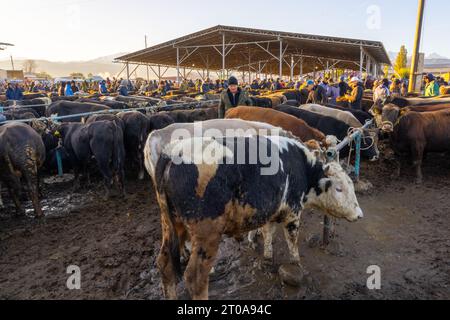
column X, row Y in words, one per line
column 52, row 146
column 20, row 114
column 261, row 102
column 159, row 121
column 362, row 116
column 189, row 116
column 135, row 134
column 333, row 127
column 106, row 117
column 293, row 103
column 301, row 96
column 37, row 105
column 67, row 108
column 114, row 105
column 22, row 153
column 102, row 140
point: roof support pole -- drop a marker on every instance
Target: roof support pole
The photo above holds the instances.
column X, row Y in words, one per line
column 128, row 71
column 119, row 74
column 249, row 67
column 178, row 65
column 281, row 59
column 361, row 60
column 148, row 71
column 368, row 65
column 223, row 55
column 292, row 67
column 159, row 72
column 415, row 57
column 301, row 67
column 207, row 66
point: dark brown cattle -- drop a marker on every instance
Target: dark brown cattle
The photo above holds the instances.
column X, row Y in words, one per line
column 427, row 108
column 415, row 133
column 297, row 127
column 22, row 153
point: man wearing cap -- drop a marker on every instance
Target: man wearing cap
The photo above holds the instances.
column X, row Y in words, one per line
column 355, row 98
column 431, row 86
column 233, row 97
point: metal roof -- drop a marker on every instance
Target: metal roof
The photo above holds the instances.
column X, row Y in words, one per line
column 202, row 50
column 2, row 44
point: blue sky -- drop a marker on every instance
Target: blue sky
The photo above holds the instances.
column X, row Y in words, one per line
column 66, row 30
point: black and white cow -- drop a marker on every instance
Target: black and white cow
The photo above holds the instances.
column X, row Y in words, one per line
column 207, row 188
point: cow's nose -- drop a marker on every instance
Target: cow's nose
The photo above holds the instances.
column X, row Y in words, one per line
column 360, row 213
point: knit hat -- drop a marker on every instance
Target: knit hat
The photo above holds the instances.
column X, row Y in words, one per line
column 232, row 81
column 430, row 76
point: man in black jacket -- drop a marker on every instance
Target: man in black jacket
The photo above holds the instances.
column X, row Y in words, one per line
column 233, row 97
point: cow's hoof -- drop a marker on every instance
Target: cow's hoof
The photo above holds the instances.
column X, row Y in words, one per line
column 291, row 274
column 419, row 181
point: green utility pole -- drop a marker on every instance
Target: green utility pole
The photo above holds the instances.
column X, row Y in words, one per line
column 415, row 57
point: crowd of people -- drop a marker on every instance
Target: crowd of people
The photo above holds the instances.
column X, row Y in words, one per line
column 322, row 90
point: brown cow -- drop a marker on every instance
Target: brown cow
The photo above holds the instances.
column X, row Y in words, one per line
column 416, row 133
column 296, row 126
column 427, row 108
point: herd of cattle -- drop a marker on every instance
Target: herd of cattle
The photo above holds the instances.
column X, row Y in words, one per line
column 200, row 202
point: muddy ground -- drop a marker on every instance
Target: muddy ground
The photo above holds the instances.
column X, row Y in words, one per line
column 406, row 232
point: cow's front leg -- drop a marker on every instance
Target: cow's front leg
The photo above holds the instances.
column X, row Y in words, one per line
column 291, row 231
column 268, row 230
column 201, row 262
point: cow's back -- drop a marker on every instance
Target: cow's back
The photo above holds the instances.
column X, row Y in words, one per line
column 296, row 126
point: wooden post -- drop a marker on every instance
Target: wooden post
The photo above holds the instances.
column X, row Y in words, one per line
column 415, row 57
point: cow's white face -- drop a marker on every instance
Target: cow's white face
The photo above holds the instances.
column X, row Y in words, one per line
column 338, row 196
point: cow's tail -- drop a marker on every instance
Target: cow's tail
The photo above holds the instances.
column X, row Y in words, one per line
column 117, row 154
column 167, row 218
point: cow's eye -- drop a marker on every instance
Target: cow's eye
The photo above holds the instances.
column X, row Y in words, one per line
column 338, row 189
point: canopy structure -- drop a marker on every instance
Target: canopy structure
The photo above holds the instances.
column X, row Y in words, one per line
column 222, row 49
column 4, row 45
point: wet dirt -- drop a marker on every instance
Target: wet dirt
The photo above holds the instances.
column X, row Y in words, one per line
column 405, row 232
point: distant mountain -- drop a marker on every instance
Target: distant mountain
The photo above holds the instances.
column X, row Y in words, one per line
column 102, row 66
column 434, row 55
column 108, row 59
column 431, row 60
